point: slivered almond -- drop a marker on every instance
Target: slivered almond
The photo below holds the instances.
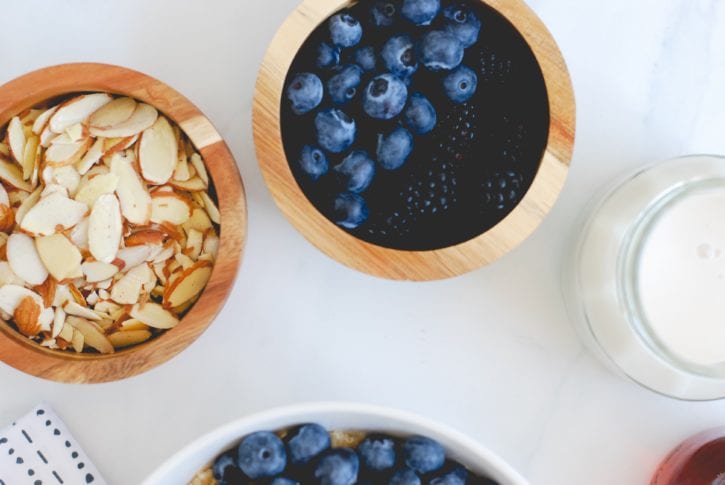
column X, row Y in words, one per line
column 201, row 172
column 59, row 326
column 29, row 156
column 52, row 212
column 154, row 315
column 133, row 324
column 77, row 110
column 132, row 194
column 73, row 308
column 42, row 120
column 92, row 334
column 27, row 315
column 211, row 208
column 105, row 228
column 60, row 256
column 142, row 118
column 171, row 208
column 16, row 139
column 13, row 175
column 128, row 338
column 77, row 341
column 114, row 113
column 186, row 286
column 24, row 259
column 157, row 152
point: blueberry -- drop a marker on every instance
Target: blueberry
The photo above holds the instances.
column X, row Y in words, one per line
column 404, row 476
column 384, row 12
column 306, row 442
column 440, row 50
column 385, row 97
column 327, row 56
column 224, row 464
column 420, row 115
column 284, row 481
column 423, row 454
column 305, row 92
column 313, row 162
column 339, row 466
column 350, row 210
column 343, row 86
column 262, row 455
column 394, row 148
column 421, row 12
column 365, row 58
column 335, row 130
column 460, row 84
column 456, row 476
column 398, row 56
column 462, row 22
column 377, row 453
column 345, row 30
column 356, row 171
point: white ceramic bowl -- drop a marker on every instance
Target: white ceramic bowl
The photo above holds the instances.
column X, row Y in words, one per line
column 182, row 467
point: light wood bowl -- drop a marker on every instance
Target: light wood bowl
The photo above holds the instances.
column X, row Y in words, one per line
column 398, row 264
column 44, row 84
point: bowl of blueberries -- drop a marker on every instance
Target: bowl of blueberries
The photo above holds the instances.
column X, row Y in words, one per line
column 335, row 444
column 414, row 139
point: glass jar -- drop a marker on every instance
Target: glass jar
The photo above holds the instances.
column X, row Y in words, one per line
column 645, row 280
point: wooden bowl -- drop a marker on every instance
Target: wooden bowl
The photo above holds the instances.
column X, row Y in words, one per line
column 399, row 264
column 44, row 84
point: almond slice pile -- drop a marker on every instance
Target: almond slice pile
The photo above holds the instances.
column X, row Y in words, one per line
column 108, row 229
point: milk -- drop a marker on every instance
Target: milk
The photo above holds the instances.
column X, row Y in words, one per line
column 681, row 278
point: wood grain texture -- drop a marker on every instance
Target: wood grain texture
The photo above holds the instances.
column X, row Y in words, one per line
column 48, row 83
column 412, row 265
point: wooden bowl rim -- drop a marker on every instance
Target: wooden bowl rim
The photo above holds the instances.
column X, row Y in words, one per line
column 50, row 82
column 401, row 264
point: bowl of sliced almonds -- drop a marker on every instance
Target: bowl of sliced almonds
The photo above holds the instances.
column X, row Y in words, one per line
column 122, row 222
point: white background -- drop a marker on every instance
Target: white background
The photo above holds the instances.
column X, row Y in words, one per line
column 492, row 352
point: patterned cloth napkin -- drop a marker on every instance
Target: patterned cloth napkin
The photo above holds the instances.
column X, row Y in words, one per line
column 38, row 449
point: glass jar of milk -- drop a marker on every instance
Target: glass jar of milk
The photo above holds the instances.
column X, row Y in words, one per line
column 645, row 281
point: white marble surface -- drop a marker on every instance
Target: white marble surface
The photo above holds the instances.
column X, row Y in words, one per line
column 491, row 352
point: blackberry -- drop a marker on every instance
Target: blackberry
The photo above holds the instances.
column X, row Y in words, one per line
column 507, row 142
column 493, row 68
column 457, row 132
column 393, row 225
column 501, row 191
column 431, row 191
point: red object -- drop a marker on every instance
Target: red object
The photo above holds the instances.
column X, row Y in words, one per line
column 698, row 461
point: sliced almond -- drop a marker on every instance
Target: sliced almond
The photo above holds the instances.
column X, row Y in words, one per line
column 4, row 150
column 201, row 172
column 132, row 194
column 133, row 256
column 13, row 175
column 52, row 212
column 211, row 246
column 77, row 110
column 61, row 154
column 27, row 315
column 114, row 145
column 129, row 288
column 133, row 324
column 77, row 310
column 47, row 291
column 67, row 177
column 12, row 295
column 24, row 259
column 16, row 139
column 77, row 341
column 198, row 221
column 7, row 218
column 79, row 234
column 60, row 256
column 113, row 114
column 154, row 315
column 96, row 271
column 157, row 152
column 92, row 334
column 29, row 156
column 194, row 243
column 142, row 118
column 105, row 228
column 92, row 156
column 74, row 133
column 42, row 120
column 181, row 172
column 47, row 136
column 92, row 189
column 211, row 208
column 128, row 338
column 66, row 333
column 189, row 284
column 27, row 204
column 8, row 276
column 170, row 208
column 194, row 184
column 59, row 324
